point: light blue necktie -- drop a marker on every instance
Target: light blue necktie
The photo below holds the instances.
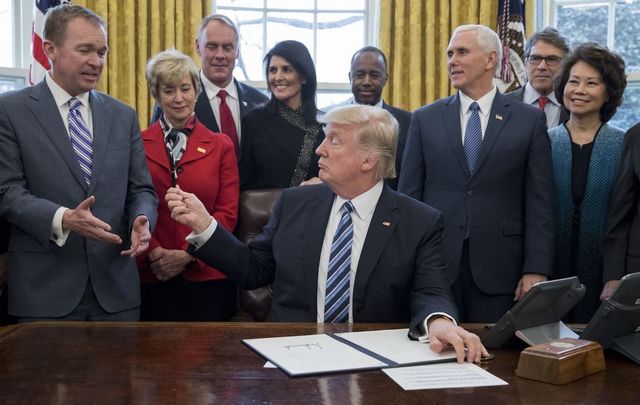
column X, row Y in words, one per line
column 473, row 138
column 80, row 138
column 336, row 299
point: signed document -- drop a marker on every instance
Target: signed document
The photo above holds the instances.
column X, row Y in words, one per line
column 445, row 375
column 326, row 353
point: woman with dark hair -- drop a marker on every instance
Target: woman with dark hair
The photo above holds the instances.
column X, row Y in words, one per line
column 586, row 151
column 279, row 140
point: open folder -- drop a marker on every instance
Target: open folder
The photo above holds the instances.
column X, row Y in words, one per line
column 336, row 352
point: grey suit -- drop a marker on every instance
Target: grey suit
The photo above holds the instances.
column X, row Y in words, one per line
column 39, row 173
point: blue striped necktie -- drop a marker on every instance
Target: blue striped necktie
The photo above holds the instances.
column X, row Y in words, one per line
column 336, row 299
column 80, row 138
column 473, row 138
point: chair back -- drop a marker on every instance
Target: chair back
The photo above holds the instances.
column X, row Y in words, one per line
column 255, row 209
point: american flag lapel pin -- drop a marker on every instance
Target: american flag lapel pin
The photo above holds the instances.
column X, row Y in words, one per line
column 386, row 223
column 244, row 103
column 499, row 117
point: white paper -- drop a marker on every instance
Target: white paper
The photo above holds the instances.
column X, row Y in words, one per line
column 312, row 354
column 442, row 375
column 394, row 345
column 269, row 364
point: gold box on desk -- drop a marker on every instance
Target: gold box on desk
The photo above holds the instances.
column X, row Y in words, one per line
column 561, row 361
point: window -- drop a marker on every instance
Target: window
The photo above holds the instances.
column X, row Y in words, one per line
column 332, row 30
column 609, row 22
column 15, row 46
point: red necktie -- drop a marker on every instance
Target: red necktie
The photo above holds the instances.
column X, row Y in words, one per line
column 227, row 124
column 542, row 101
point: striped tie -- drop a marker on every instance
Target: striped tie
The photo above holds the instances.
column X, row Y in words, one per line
column 80, row 138
column 336, row 300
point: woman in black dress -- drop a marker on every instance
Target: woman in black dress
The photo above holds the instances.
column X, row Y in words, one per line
column 279, row 140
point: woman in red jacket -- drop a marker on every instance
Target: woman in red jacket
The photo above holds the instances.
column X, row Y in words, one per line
column 180, row 150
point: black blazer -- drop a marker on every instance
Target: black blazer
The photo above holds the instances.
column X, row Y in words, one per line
column 4, row 235
column 509, row 198
column 621, row 245
column 519, row 95
column 249, row 98
column 400, row 275
column 404, row 120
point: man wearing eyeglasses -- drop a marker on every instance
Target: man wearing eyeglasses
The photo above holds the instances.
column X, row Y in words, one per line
column 543, row 58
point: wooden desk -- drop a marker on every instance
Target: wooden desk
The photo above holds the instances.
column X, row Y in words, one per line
column 153, row 363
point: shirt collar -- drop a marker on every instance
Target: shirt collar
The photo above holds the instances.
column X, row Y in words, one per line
column 378, row 104
column 61, row 96
column 212, row 90
column 531, row 95
column 364, row 204
column 484, row 102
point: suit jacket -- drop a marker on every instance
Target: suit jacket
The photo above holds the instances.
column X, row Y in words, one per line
column 4, row 236
column 400, row 274
column 208, row 169
column 518, row 94
column 621, row 245
column 404, row 120
column 249, row 98
column 509, row 198
column 39, row 173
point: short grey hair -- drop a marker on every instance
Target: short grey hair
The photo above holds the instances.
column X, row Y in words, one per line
column 550, row 36
column 222, row 19
column 169, row 67
column 376, row 132
column 487, row 38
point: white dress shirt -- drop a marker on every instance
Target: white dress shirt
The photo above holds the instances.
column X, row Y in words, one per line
column 233, row 100
column 552, row 109
column 58, row 235
column 485, row 102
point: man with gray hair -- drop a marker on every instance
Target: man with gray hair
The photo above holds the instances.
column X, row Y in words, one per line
column 346, row 250
column 484, row 160
column 543, row 54
column 224, row 101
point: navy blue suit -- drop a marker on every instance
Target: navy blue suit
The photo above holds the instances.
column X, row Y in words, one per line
column 400, row 275
column 509, row 199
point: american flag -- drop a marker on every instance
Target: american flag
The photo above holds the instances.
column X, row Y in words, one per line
column 512, row 73
column 40, row 63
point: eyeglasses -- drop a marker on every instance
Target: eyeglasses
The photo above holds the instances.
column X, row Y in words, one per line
column 537, row 59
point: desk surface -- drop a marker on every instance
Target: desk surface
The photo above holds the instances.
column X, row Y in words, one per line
column 155, row 363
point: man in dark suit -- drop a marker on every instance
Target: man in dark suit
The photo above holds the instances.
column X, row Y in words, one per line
column 621, row 244
column 368, row 75
column 484, row 160
column 352, row 233
column 217, row 45
column 63, row 144
column 543, row 54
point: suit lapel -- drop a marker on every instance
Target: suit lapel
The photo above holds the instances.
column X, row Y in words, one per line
column 383, row 223
column 199, row 145
column 48, row 116
column 497, row 118
column 451, row 117
column 316, row 226
column 242, row 99
column 204, row 112
column 103, row 119
column 155, row 147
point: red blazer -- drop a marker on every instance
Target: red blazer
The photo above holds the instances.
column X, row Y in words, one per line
column 208, row 169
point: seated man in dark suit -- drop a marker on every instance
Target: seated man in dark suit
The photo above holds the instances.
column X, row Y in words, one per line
column 367, row 76
column 217, row 45
column 345, row 250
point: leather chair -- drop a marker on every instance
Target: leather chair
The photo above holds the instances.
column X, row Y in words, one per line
column 254, row 211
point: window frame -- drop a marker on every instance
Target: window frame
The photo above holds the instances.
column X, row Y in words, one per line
column 371, row 30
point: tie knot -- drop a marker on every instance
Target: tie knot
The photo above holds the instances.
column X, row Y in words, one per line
column 474, row 107
column 542, row 102
column 347, row 207
column 222, row 94
column 74, row 104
